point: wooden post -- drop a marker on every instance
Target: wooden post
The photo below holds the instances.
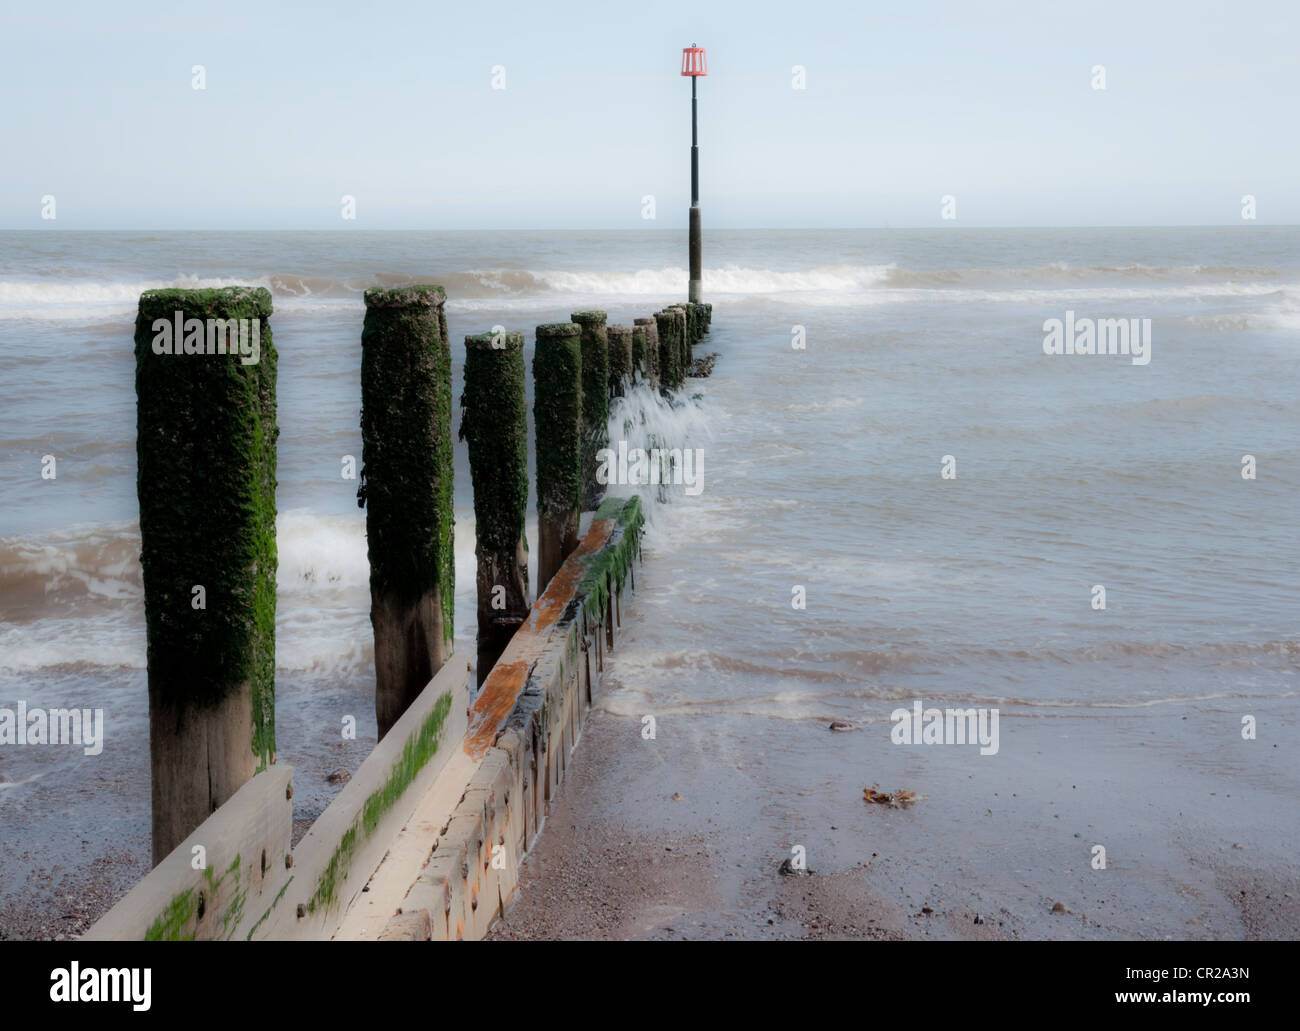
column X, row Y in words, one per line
column 206, row 450
column 695, row 313
column 670, row 354
column 406, row 487
column 650, row 326
column 620, row 358
column 683, row 341
column 595, row 401
column 494, row 422
column 557, row 418
column 638, row 354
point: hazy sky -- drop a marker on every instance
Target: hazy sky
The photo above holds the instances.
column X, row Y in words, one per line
column 392, row 103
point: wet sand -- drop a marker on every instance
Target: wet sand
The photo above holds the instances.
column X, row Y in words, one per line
column 622, row 857
column 684, row 836
column 619, row 858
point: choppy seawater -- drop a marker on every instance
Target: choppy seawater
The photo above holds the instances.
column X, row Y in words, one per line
column 821, row 469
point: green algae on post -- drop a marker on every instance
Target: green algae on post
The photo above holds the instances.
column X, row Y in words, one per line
column 689, row 309
column 651, row 327
column 682, row 332
column 494, row 423
column 638, row 352
column 695, row 313
column 670, row 355
column 595, row 400
column 206, row 474
column 688, row 338
column 620, row 358
column 557, row 418
column 406, row 488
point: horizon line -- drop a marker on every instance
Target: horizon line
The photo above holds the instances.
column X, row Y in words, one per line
column 673, row 229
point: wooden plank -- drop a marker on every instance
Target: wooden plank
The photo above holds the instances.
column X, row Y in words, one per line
column 413, row 926
column 444, row 876
column 510, row 675
column 503, row 858
column 242, row 849
column 517, row 755
column 335, row 859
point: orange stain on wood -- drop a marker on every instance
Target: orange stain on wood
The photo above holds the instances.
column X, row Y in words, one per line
column 504, row 684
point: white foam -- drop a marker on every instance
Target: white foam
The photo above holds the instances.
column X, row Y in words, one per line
column 523, row 289
column 72, row 301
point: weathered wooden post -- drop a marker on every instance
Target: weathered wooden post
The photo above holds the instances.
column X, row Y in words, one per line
column 684, row 341
column 620, row 358
column 406, row 487
column 557, row 419
column 494, row 423
column 708, row 315
column 638, row 354
column 684, row 338
column 595, row 400
column 695, row 312
column 650, row 326
column 681, row 348
column 206, row 450
column 669, row 350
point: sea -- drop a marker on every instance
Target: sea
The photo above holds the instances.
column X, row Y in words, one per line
column 904, row 498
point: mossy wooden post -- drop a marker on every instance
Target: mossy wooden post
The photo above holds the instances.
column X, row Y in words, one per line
column 688, row 307
column 557, row 419
column 206, row 465
column 708, row 315
column 638, row 354
column 683, row 340
column 595, row 400
column 494, row 423
column 696, row 314
column 406, row 487
column 650, row 326
column 672, row 346
column 620, row 358
column 665, row 324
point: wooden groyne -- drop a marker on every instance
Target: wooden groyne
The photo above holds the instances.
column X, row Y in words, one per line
column 522, row 729
column 425, row 840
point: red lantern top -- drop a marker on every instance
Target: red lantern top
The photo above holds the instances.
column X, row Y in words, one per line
column 693, row 61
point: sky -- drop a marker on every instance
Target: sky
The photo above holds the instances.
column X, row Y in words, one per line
column 992, row 104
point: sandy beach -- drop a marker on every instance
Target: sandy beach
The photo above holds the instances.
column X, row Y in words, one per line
column 684, row 837
column 620, row 859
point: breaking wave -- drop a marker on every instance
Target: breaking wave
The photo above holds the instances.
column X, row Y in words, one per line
column 62, row 299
